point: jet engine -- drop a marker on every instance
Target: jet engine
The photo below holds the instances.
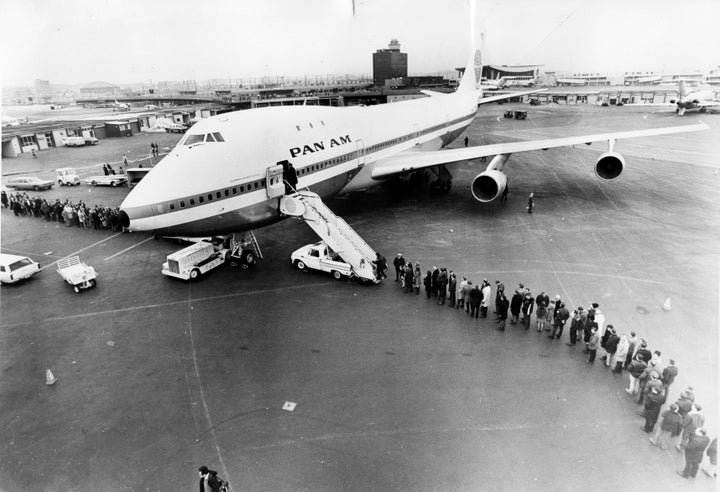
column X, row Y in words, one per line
column 609, row 166
column 488, row 185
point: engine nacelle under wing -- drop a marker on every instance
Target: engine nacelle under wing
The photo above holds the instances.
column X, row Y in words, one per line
column 488, row 185
column 609, row 166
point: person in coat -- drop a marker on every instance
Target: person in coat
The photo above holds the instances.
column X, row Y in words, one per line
column 442, row 283
column 515, row 305
column 668, row 429
column 428, row 284
column 503, row 307
column 611, row 345
column 417, row 277
column 541, row 301
column 694, row 453
column 561, row 317
column 593, row 344
column 475, row 300
column 398, row 263
column 408, row 278
column 635, row 370
column 467, row 288
column 527, row 308
column 208, row 480
column 461, row 293
column 485, row 289
column 452, row 289
column 653, row 401
column 691, row 422
column 620, row 354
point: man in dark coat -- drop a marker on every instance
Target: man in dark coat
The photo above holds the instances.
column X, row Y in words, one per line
column 208, row 480
column 561, row 317
column 398, row 263
column 653, row 402
column 427, row 282
column 611, row 345
column 434, row 281
column 515, row 305
column 408, row 279
column 669, row 374
column 475, row 300
column 452, row 288
column 503, row 307
column 380, row 266
column 669, row 427
column 694, row 453
column 442, row 284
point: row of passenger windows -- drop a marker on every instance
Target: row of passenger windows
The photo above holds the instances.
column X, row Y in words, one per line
column 219, row 194
column 310, row 125
column 394, row 141
column 208, row 137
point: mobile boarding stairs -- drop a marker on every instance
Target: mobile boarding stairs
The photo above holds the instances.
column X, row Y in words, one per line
column 338, row 235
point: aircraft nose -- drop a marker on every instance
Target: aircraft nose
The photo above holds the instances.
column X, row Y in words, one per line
column 124, row 219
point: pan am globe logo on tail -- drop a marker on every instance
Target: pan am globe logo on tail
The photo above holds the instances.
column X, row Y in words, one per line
column 478, row 65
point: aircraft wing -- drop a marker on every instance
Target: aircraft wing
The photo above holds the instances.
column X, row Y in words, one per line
column 410, row 160
column 500, row 97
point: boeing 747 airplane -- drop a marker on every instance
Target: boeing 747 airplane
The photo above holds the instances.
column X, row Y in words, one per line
column 226, row 174
column 701, row 100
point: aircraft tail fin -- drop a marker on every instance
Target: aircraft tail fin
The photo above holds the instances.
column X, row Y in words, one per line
column 473, row 71
column 470, row 80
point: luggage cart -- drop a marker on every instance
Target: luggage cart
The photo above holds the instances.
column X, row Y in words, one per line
column 77, row 273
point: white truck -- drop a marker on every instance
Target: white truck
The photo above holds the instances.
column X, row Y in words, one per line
column 109, row 180
column 66, row 176
column 77, row 273
column 319, row 256
column 195, row 260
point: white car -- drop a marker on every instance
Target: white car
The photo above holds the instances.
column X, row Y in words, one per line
column 14, row 268
column 74, row 142
column 29, row 183
column 319, row 256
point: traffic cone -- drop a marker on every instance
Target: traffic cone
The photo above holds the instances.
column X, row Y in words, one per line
column 49, row 378
column 666, row 304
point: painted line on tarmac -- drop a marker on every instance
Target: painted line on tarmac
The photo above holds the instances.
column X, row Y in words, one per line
column 163, row 304
column 206, row 409
column 128, row 249
column 83, row 249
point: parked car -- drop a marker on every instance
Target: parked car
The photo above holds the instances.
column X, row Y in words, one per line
column 29, row 183
column 74, row 142
column 91, row 140
column 14, row 268
column 176, row 128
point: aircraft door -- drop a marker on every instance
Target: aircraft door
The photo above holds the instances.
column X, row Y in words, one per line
column 274, row 179
column 360, row 145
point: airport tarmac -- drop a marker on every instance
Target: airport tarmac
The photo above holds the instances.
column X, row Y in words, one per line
column 392, row 392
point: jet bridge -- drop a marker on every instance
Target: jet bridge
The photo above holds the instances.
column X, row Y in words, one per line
column 333, row 230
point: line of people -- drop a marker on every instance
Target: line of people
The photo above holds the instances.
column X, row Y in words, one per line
column 681, row 425
column 71, row 214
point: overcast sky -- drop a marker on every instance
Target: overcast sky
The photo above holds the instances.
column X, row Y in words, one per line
column 82, row 41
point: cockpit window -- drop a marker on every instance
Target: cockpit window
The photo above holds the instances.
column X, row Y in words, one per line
column 193, row 139
column 209, row 138
column 218, row 137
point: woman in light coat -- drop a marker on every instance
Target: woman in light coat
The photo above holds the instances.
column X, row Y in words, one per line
column 620, row 354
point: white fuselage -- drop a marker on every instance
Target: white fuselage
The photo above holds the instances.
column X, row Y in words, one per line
column 205, row 186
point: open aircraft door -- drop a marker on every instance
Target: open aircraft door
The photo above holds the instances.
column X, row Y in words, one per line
column 274, row 178
column 360, row 145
